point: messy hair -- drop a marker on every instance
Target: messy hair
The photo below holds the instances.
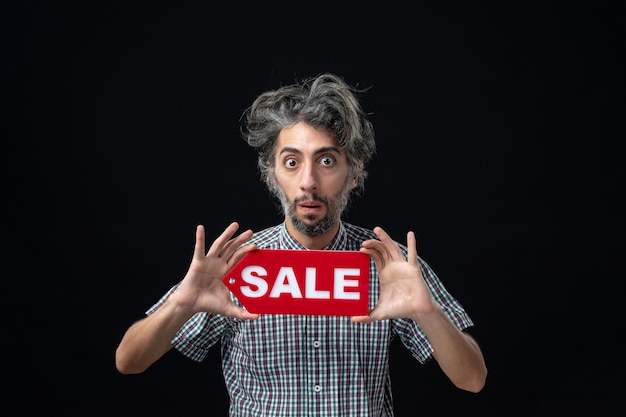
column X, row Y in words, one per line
column 325, row 102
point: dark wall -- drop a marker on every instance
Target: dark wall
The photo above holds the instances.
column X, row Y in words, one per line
column 499, row 130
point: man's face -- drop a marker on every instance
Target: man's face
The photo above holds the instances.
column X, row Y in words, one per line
column 311, row 174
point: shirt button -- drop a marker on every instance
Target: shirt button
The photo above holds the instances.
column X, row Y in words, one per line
column 317, row 388
column 316, row 344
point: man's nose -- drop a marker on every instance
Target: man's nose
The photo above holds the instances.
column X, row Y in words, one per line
column 308, row 178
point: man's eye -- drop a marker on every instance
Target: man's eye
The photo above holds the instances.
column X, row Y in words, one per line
column 290, row 162
column 327, row 161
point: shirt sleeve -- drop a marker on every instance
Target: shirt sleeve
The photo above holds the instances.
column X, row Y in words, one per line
column 409, row 332
column 198, row 334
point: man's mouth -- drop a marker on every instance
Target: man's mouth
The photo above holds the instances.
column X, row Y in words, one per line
column 310, row 206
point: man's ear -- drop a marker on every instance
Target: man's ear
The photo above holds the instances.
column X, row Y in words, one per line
column 271, row 178
column 355, row 176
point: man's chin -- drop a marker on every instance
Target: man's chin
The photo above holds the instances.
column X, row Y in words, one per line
column 313, row 225
column 305, row 224
column 308, row 219
column 311, row 219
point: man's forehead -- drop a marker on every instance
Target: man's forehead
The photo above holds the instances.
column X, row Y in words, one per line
column 302, row 138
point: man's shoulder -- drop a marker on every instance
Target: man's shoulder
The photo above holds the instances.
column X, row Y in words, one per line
column 358, row 232
column 266, row 237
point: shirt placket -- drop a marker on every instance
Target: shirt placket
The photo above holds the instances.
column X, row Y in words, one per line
column 316, row 369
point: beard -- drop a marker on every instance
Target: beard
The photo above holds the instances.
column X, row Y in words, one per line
column 309, row 225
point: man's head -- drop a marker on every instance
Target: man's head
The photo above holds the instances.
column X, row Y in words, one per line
column 327, row 106
column 311, row 177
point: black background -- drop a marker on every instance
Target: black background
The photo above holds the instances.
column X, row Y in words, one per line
column 499, row 133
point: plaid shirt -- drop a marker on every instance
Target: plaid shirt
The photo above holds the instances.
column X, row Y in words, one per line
column 292, row 365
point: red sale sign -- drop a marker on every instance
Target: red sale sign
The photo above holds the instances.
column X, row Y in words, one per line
column 307, row 282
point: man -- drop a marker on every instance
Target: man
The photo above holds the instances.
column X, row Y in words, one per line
column 314, row 142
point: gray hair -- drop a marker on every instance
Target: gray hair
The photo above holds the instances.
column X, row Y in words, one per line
column 325, row 102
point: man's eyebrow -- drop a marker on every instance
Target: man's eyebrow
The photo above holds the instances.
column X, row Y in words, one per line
column 319, row 151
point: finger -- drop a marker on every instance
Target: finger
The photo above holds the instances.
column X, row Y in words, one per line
column 412, row 246
column 372, row 244
column 198, row 250
column 378, row 261
column 241, row 252
column 380, row 245
column 222, row 239
column 244, row 314
column 391, row 247
column 235, row 311
column 233, row 245
column 362, row 319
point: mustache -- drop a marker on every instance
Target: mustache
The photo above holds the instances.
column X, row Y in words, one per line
column 312, row 197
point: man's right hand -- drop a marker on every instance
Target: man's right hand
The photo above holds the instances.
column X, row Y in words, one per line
column 202, row 289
